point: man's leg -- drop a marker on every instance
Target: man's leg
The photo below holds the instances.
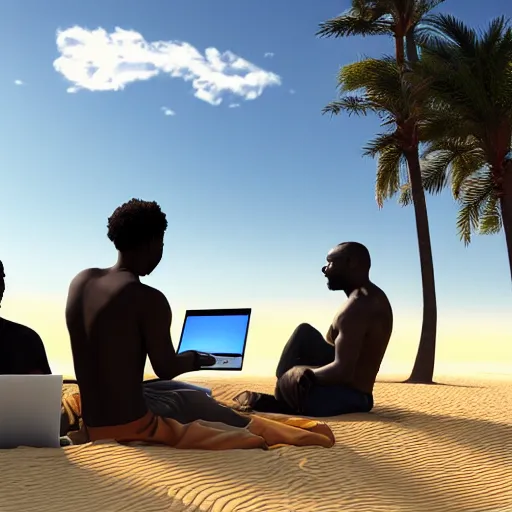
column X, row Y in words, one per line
column 324, row 401
column 187, row 405
column 173, row 385
column 306, row 347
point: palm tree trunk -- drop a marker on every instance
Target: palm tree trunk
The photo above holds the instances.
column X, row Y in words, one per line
column 423, row 370
column 506, row 211
column 399, row 50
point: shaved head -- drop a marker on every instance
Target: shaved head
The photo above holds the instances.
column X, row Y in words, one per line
column 348, row 264
column 354, row 251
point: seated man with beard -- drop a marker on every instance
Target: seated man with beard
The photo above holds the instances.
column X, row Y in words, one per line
column 335, row 375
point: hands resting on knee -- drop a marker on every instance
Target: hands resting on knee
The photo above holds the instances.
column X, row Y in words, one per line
column 294, row 385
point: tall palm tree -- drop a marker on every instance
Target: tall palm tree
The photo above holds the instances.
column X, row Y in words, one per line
column 399, row 101
column 400, row 19
column 469, row 133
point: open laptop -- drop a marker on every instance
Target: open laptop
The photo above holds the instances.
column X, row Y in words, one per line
column 30, row 410
column 219, row 332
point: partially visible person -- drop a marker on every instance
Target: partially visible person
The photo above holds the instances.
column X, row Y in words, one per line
column 335, row 375
column 22, row 350
column 115, row 322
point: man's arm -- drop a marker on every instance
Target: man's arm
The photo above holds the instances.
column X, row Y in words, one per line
column 352, row 326
column 156, row 332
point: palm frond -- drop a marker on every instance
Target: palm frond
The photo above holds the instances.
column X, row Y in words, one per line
column 493, row 36
column 376, row 75
column 440, row 122
column 405, row 197
column 434, row 172
column 478, row 191
column 383, row 83
column 353, row 105
column 380, row 144
column 350, row 25
column 364, row 18
column 463, row 166
column 470, row 72
column 423, row 7
column 451, row 160
column 446, row 28
column 391, row 159
column 491, row 221
column 434, row 175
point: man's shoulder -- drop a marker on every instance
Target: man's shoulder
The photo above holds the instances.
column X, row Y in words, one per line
column 151, row 294
column 85, row 275
column 20, row 330
column 364, row 303
column 360, row 299
column 371, row 297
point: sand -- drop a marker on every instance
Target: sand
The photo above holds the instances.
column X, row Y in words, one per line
column 444, row 448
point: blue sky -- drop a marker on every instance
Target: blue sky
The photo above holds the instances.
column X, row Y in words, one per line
column 255, row 195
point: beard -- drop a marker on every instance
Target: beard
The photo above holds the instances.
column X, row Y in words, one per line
column 334, row 284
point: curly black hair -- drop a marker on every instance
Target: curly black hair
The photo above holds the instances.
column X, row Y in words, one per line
column 136, row 223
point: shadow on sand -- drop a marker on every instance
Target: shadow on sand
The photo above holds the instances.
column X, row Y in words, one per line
column 430, row 384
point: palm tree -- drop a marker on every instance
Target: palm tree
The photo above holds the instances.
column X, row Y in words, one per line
column 400, row 19
column 397, row 18
column 469, row 133
column 399, row 101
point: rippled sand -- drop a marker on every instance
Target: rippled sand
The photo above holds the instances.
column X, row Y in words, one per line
column 445, row 448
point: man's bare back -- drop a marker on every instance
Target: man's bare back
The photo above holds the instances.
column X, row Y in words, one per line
column 115, row 322
column 104, row 313
column 372, row 304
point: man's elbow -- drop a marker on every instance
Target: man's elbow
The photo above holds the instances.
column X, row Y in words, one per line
column 165, row 373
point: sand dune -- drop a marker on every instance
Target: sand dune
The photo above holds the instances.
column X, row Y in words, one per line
column 445, row 448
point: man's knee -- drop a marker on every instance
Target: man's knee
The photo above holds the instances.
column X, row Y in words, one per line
column 304, row 329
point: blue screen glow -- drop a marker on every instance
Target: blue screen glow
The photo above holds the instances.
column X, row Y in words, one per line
column 215, row 334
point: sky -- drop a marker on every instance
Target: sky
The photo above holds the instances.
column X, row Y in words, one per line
column 213, row 109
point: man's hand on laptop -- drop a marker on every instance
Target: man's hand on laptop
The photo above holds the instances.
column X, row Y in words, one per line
column 206, row 359
column 193, row 360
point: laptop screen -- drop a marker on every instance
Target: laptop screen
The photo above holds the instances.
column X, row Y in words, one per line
column 222, row 333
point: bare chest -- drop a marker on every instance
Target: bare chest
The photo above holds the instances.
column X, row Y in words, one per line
column 333, row 331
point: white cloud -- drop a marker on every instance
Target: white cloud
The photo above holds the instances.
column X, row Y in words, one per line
column 269, row 55
column 19, row 82
column 234, row 105
column 100, row 61
column 167, row 111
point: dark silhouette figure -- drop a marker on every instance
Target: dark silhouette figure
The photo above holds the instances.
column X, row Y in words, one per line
column 335, row 375
column 22, row 350
column 115, row 322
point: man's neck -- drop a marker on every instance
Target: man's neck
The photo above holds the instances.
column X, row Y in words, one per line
column 125, row 264
column 356, row 285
